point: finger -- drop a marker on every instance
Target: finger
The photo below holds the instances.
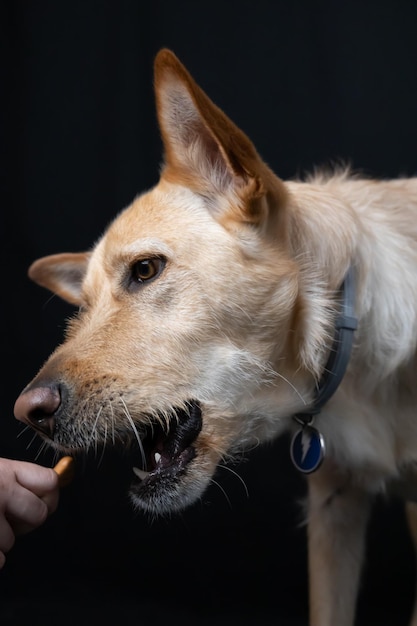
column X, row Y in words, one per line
column 7, row 537
column 51, row 500
column 2, row 559
column 38, row 479
column 26, row 508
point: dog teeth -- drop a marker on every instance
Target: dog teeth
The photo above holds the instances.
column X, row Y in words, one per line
column 140, row 473
column 157, row 457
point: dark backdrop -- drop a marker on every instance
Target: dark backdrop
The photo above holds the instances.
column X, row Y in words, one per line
column 310, row 83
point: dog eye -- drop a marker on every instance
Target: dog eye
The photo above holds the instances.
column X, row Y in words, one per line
column 146, row 269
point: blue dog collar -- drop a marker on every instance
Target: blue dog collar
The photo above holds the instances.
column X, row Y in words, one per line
column 308, row 446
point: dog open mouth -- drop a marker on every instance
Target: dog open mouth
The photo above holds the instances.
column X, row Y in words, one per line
column 160, row 451
column 165, row 453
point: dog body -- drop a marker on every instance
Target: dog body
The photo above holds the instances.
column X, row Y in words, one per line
column 207, row 315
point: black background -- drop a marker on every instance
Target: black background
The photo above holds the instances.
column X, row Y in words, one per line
column 310, row 83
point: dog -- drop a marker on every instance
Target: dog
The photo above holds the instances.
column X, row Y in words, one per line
column 225, row 307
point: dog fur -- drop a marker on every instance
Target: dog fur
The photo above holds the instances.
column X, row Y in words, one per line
column 219, row 287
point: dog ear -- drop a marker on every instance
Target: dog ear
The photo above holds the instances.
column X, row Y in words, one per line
column 204, row 149
column 62, row 274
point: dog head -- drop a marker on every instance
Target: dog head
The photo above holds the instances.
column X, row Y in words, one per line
column 190, row 342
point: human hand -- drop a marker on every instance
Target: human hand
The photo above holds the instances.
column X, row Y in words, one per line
column 29, row 493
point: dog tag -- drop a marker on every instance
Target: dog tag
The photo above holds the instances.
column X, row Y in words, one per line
column 307, row 449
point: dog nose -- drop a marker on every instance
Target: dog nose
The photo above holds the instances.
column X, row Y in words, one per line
column 36, row 407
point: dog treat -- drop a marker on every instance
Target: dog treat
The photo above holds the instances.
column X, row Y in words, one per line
column 65, row 470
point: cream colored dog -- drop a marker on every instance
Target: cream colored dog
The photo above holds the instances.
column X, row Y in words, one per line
column 209, row 315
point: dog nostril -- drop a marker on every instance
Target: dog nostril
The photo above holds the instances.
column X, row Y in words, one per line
column 36, row 407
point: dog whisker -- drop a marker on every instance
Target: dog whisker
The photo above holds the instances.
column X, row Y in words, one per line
column 41, row 449
column 103, row 447
column 135, row 430
column 35, row 436
column 55, row 457
column 229, row 469
column 94, row 427
column 48, row 300
column 218, row 485
column 23, row 430
column 113, row 435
